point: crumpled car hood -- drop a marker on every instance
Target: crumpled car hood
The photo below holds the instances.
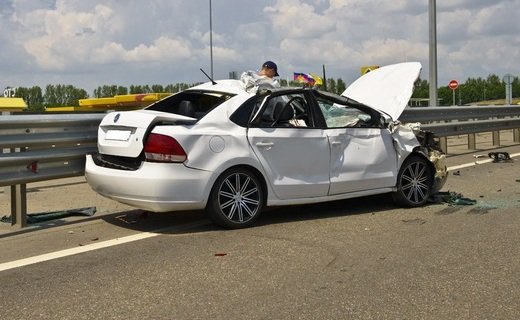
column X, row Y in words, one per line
column 387, row 89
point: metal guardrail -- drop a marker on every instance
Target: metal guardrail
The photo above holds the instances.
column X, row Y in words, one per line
column 430, row 114
column 451, row 121
column 44, row 147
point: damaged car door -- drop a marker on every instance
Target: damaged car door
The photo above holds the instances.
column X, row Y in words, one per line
column 292, row 151
column 362, row 152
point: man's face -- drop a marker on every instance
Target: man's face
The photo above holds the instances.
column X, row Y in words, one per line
column 269, row 72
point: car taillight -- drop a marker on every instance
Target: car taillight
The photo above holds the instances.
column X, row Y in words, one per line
column 161, row 148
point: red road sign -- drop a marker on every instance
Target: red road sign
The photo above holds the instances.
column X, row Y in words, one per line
column 453, row 84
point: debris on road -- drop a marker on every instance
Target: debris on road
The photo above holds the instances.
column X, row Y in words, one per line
column 500, row 157
column 53, row 215
column 453, row 198
column 415, row 221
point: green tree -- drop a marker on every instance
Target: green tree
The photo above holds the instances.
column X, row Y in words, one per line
column 421, row 90
column 33, row 97
column 157, row 88
column 136, row 89
column 173, row 88
column 109, row 91
column 63, row 95
column 340, row 86
column 331, row 85
column 516, row 87
column 495, row 88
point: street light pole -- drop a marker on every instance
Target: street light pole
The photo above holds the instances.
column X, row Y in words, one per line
column 433, row 53
column 211, row 39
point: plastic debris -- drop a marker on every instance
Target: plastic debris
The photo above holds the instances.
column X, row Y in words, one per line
column 500, row 157
column 454, row 198
column 53, row 215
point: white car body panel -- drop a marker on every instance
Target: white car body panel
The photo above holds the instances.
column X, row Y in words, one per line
column 362, row 159
column 229, row 85
column 387, row 89
column 137, row 122
column 155, row 193
column 286, row 154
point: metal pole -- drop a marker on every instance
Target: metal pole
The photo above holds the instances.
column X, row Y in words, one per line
column 433, row 53
column 324, row 79
column 453, row 96
column 211, row 38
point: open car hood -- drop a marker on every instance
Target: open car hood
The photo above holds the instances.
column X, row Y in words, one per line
column 387, row 89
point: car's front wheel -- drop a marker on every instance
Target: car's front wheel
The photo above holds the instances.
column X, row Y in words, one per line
column 236, row 199
column 414, row 183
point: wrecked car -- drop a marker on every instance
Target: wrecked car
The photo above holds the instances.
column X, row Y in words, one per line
column 234, row 147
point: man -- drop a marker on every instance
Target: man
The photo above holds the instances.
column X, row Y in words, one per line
column 269, row 71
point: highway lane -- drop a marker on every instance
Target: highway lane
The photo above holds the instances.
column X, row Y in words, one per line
column 353, row 259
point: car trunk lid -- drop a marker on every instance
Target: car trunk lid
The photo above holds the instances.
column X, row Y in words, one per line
column 387, row 89
column 123, row 133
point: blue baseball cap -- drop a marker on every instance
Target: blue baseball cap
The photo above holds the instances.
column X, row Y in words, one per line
column 271, row 65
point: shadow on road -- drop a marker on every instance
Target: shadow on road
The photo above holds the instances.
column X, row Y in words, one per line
column 196, row 221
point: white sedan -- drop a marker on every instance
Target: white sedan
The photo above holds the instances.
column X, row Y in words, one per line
column 233, row 147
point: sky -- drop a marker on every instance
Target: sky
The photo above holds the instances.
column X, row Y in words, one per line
column 90, row 43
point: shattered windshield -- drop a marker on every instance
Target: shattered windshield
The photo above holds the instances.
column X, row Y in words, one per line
column 339, row 114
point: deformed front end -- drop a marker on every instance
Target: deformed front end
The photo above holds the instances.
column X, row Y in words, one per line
column 430, row 148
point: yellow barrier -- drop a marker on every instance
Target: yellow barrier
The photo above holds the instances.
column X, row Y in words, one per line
column 12, row 104
column 118, row 102
column 126, row 100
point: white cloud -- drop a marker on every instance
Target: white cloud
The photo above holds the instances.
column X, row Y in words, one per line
column 295, row 19
column 63, row 39
column 89, row 42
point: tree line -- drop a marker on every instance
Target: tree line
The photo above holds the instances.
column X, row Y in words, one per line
column 472, row 90
column 68, row 95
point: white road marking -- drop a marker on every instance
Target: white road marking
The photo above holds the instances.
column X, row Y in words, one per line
column 91, row 247
column 144, row 235
column 73, row 251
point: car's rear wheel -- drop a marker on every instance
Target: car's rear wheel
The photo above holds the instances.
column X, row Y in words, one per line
column 414, row 183
column 236, row 199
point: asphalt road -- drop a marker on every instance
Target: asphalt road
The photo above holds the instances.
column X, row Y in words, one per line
column 353, row 259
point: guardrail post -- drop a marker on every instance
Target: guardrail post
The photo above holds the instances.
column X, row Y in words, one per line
column 18, row 194
column 443, row 142
column 516, row 135
column 496, row 138
column 19, row 206
column 472, row 141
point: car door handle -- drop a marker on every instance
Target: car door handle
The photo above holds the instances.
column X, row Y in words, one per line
column 336, row 143
column 267, row 144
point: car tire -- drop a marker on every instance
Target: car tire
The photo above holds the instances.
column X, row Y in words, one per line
column 236, row 199
column 414, row 183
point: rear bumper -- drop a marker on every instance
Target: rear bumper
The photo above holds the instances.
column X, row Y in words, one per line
column 157, row 187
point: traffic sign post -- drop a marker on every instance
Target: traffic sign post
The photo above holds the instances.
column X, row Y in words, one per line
column 453, row 85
